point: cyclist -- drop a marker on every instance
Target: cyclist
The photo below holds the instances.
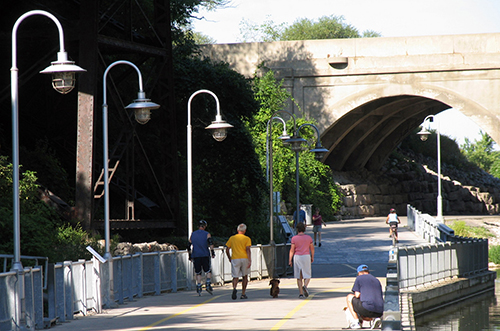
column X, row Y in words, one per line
column 393, row 221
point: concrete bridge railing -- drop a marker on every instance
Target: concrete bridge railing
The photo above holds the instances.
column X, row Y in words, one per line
column 81, row 286
column 425, row 276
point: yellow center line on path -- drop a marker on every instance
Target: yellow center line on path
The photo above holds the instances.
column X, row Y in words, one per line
column 278, row 325
column 179, row 313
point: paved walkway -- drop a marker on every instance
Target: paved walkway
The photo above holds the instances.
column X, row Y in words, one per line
column 345, row 245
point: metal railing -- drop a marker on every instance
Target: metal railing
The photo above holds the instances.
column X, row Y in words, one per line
column 446, row 256
column 80, row 287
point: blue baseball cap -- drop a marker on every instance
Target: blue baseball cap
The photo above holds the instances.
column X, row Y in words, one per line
column 363, row 267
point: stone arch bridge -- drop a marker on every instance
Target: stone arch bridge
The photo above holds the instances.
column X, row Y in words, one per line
column 368, row 94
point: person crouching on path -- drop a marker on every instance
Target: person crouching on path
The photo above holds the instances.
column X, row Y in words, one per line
column 240, row 259
column 302, row 253
column 366, row 303
column 201, row 240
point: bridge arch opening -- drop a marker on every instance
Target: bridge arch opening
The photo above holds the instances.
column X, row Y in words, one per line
column 365, row 136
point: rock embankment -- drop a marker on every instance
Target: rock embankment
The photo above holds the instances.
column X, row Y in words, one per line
column 472, row 192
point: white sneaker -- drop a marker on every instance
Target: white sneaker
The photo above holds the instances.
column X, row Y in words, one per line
column 355, row 326
column 375, row 323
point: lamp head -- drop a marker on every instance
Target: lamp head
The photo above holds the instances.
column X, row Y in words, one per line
column 63, row 73
column 296, row 143
column 142, row 108
column 319, row 151
column 424, row 134
column 284, row 137
column 219, row 127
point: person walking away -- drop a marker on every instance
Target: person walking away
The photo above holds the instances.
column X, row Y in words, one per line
column 238, row 252
column 301, row 218
column 366, row 302
column 302, row 253
column 317, row 223
column 393, row 221
column 201, row 240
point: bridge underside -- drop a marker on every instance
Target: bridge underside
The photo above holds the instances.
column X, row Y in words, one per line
column 365, row 136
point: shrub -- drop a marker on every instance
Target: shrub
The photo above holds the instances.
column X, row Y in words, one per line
column 494, row 254
column 463, row 230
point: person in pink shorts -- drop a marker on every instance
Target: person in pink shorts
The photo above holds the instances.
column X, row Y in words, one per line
column 302, row 253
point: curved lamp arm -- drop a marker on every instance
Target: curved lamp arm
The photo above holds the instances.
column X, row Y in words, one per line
column 104, row 98
column 283, row 136
column 18, row 22
column 219, row 127
column 318, row 150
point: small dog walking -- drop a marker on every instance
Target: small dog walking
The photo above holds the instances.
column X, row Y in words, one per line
column 275, row 289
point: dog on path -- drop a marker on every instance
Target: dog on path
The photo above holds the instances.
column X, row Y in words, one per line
column 275, row 289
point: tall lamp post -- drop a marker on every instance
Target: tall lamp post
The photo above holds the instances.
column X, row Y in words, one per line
column 318, row 151
column 142, row 108
column 269, row 153
column 63, row 81
column 424, row 134
column 219, row 133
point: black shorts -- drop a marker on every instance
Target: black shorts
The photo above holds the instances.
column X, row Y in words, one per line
column 362, row 311
column 201, row 262
column 394, row 226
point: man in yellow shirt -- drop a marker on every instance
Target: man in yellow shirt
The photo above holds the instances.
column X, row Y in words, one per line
column 240, row 259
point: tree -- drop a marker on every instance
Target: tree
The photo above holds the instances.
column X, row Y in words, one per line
column 201, row 39
column 38, row 221
column 315, row 178
column 481, row 152
column 326, row 27
column 185, row 11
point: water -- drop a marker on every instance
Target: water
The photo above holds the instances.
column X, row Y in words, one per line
column 479, row 313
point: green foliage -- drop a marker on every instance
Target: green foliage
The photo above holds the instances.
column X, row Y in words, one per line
column 495, row 168
column 463, row 230
column 494, row 254
column 41, row 231
column 316, row 183
column 482, row 154
column 266, row 32
column 201, row 39
column 38, row 221
column 71, row 243
column 325, row 27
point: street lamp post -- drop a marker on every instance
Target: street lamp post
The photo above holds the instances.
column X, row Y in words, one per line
column 269, row 171
column 142, row 108
column 319, row 151
column 63, row 81
column 219, row 133
column 424, row 134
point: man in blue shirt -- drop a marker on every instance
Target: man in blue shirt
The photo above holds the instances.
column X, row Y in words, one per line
column 366, row 303
column 302, row 217
column 201, row 241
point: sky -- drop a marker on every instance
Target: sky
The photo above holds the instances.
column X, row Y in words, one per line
column 390, row 18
